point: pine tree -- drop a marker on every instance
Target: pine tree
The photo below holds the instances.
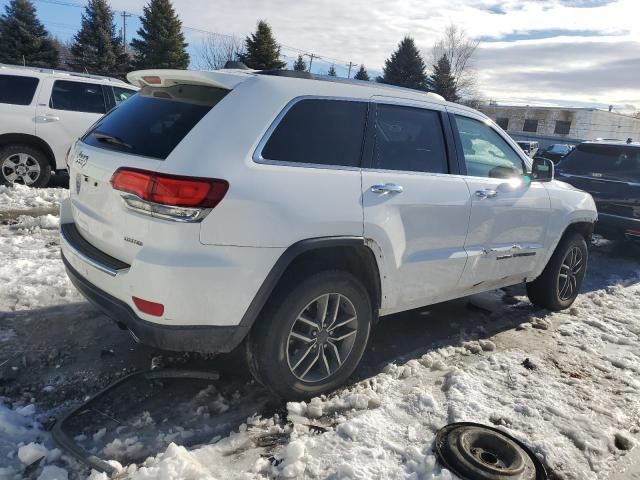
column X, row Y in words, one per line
column 299, row 65
column 362, row 74
column 442, row 80
column 96, row 48
column 263, row 52
column 405, row 68
column 23, row 38
column 332, row 71
column 161, row 43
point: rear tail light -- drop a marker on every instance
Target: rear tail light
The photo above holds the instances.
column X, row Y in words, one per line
column 150, row 308
column 169, row 196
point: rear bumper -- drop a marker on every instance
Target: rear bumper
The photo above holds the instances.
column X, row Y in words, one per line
column 615, row 225
column 190, row 338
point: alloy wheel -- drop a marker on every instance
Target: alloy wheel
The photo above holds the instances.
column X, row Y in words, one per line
column 322, row 337
column 20, row 167
column 572, row 265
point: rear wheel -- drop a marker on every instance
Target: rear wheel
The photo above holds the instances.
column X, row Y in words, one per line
column 24, row 164
column 560, row 282
column 311, row 337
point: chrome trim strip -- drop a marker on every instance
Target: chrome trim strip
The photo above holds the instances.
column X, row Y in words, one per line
column 99, row 266
column 602, row 179
column 610, row 215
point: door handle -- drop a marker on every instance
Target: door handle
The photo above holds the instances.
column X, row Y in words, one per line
column 486, row 193
column 386, row 188
column 47, row 118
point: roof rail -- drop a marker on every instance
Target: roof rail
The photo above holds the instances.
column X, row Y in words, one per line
column 60, row 72
column 351, row 81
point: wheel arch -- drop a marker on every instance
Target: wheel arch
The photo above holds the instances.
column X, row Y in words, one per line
column 31, row 140
column 583, row 227
column 318, row 254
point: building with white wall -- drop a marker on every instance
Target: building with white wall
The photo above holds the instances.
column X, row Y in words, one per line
column 549, row 125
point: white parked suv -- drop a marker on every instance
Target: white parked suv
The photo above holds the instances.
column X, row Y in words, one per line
column 42, row 112
column 287, row 213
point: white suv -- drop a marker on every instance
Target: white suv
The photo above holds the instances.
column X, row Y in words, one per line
column 42, row 112
column 290, row 213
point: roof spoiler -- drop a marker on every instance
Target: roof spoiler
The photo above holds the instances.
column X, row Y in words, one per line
column 166, row 78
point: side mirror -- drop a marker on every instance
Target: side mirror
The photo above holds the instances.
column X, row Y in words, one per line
column 542, row 170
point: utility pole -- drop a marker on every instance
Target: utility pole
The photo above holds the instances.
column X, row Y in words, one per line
column 350, row 65
column 124, row 28
column 311, row 57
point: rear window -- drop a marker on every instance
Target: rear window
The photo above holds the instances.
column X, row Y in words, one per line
column 611, row 161
column 17, row 90
column 154, row 121
column 324, row 132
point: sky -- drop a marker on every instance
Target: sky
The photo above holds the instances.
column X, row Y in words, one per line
column 537, row 52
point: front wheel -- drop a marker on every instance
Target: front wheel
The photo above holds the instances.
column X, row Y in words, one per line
column 560, row 282
column 312, row 336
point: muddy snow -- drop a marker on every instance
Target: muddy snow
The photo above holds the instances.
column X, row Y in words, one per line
column 566, row 384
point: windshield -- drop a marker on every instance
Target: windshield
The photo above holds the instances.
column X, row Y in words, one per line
column 155, row 120
column 610, row 161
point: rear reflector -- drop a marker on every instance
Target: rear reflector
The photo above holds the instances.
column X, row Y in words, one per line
column 170, row 189
column 150, row 308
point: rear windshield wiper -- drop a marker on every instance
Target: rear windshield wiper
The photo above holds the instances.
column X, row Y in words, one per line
column 111, row 140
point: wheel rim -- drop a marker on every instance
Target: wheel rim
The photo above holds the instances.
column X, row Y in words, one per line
column 21, row 167
column 570, row 270
column 322, row 337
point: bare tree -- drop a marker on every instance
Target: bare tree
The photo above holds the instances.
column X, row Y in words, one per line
column 216, row 50
column 459, row 50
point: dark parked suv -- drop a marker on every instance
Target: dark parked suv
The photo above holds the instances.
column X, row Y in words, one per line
column 610, row 172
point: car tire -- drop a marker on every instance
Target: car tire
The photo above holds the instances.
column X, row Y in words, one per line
column 297, row 359
column 24, row 164
column 560, row 282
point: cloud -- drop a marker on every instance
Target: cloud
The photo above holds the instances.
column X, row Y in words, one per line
column 551, row 37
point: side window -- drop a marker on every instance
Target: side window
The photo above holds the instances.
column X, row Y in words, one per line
column 325, row 132
column 486, row 153
column 122, row 94
column 77, row 97
column 17, row 90
column 409, row 139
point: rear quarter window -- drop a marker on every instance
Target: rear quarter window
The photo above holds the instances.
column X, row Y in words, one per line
column 17, row 90
column 154, row 121
column 319, row 131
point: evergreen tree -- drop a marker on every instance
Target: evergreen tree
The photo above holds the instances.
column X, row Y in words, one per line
column 362, row 74
column 23, row 38
column 161, row 43
column 263, row 52
column 300, row 65
column 442, row 80
column 332, row 71
column 96, row 47
column 405, row 68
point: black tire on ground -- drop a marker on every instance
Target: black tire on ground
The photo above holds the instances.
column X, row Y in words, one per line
column 271, row 348
column 12, row 153
column 549, row 290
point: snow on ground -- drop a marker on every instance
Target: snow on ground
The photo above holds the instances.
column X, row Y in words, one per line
column 567, row 384
column 575, row 402
column 19, row 197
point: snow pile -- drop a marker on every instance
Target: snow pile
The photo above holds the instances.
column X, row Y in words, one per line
column 20, row 197
column 31, row 246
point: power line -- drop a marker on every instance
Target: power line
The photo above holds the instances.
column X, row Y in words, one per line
column 68, row 3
